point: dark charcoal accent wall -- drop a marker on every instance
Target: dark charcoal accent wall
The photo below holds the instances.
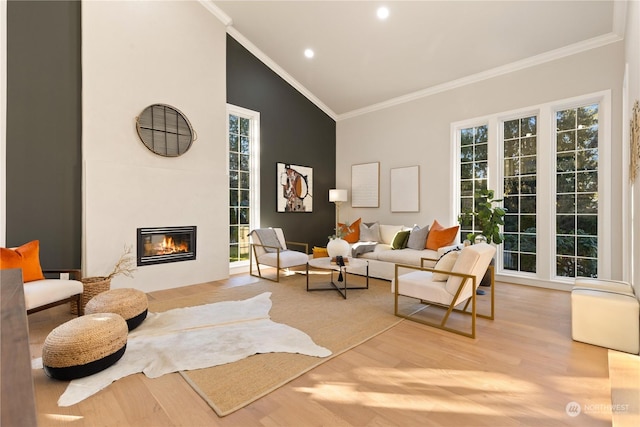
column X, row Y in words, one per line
column 293, row 130
column 44, row 125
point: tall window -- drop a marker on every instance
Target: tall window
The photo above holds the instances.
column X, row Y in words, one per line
column 473, row 172
column 243, row 131
column 577, row 192
column 520, row 189
column 550, row 164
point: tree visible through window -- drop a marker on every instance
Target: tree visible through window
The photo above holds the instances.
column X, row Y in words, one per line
column 473, row 173
column 242, row 142
column 520, row 189
column 554, row 161
column 577, row 192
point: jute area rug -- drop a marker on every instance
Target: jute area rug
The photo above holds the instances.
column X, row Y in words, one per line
column 330, row 321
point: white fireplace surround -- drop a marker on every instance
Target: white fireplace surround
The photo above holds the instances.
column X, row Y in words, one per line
column 125, row 186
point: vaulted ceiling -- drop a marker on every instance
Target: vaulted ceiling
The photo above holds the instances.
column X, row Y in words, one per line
column 362, row 63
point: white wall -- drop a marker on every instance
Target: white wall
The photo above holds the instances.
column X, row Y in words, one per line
column 632, row 56
column 137, row 53
column 419, row 133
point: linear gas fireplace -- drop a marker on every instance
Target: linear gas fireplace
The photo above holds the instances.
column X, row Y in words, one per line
column 166, row 244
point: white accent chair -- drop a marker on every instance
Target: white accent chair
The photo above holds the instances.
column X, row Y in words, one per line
column 605, row 313
column 459, row 288
column 269, row 247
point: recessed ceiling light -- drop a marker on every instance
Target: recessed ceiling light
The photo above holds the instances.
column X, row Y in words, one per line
column 383, row 13
column 308, row 53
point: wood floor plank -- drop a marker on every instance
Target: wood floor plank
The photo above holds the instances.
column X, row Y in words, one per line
column 523, row 369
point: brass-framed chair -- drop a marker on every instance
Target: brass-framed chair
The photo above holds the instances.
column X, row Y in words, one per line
column 269, row 247
column 458, row 289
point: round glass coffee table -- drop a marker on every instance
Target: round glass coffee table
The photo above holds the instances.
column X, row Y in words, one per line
column 343, row 272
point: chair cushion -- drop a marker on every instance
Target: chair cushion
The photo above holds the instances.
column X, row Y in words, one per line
column 445, row 263
column 42, row 292
column 420, row 284
column 26, row 257
column 268, row 238
column 288, row 259
column 474, row 260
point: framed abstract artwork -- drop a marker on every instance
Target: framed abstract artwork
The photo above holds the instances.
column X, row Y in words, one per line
column 294, row 188
column 365, row 185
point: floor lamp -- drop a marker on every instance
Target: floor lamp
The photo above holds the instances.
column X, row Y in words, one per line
column 337, row 197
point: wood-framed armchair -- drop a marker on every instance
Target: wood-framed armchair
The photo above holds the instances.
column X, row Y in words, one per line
column 41, row 292
column 269, row 247
column 49, row 292
column 458, row 289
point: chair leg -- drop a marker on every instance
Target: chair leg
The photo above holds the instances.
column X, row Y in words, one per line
column 79, row 305
column 442, row 324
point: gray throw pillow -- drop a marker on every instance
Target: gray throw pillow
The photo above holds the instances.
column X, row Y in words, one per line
column 369, row 232
column 418, row 238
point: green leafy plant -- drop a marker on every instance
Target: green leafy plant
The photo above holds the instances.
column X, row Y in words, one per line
column 487, row 217
column 341, row 232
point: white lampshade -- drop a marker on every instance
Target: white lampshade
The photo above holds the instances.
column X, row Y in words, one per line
column 337, row 195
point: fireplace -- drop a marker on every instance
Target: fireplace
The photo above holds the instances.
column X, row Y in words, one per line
column 160, row 245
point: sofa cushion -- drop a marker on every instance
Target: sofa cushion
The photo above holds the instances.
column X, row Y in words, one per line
column 440, row 236
column 26, row 257
column 370, row 232
column 400, row 239
column 405, row 256
column 388, row 232
column 352, row 236
column 418, row 238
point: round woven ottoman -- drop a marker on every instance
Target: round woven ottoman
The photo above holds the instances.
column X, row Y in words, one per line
column 84, row 346
column 129, row 303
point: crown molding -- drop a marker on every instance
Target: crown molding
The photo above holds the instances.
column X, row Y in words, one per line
column 619, row 17
column 279, row 70
column 217, row 12
column 485, row 75
column 619, row 25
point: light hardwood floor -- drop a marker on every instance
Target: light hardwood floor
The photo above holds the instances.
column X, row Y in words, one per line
column 522, row 370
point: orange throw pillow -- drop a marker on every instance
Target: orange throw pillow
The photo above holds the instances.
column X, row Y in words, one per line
column 440, row 236
column 354, row 235
column 26, row 257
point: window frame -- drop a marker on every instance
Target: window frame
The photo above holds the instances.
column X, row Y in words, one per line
column 546, row 184
column 254, row 169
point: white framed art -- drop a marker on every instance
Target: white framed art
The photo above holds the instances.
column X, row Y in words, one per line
column 365, row 185
column 405, row 189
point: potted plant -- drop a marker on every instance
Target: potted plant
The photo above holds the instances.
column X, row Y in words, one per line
column 337, row 246
column 94, row 285
column 487, row 218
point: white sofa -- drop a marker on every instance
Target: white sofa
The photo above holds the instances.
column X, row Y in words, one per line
column 383, row 259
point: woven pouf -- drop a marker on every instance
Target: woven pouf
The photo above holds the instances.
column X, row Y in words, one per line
column 129, row 303
column 84, row 346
